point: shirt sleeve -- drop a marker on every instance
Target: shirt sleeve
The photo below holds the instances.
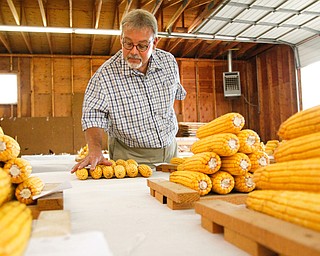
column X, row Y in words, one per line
column 94, row 109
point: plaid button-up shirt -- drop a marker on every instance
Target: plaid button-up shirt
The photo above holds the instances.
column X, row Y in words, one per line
column 135, row 108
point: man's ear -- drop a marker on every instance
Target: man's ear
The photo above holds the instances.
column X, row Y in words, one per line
column 155, row 42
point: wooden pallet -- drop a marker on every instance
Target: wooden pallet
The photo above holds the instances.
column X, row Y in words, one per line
column 166, row 168
column 257, row 233
column 49, row 202
column 178, row 197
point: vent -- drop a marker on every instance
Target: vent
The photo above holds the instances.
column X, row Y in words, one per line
column 231, row 80
column 231, row 84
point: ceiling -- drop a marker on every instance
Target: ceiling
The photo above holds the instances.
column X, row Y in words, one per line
column 187, row 28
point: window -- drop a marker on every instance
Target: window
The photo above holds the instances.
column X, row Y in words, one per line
column 310, row 85
column 8, row 89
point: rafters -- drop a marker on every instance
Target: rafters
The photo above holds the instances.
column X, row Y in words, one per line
column 44, row 22
column 18, row 22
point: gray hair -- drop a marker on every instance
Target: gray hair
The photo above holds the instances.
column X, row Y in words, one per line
column 139, row 19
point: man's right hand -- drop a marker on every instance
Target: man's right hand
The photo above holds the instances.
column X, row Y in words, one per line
column 92, row 160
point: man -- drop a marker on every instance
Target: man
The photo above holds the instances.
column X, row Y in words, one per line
column 131, row 96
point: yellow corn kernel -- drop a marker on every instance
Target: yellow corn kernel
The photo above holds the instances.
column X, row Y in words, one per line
column 82, row 174
column 291, row 175
column 19, row 169
column 244, row 183
column 249, row 141
column 16, row 225
column 112, row 161
column 132, row 170
column 119, row 171
column 303, row 147
column 258, row 159
column 145, row 170
column 177, row 160
column 300, row 124
column 97, row 172
column 227, row 123
column 29, row 188
column 9, row 148
column 195, row 180
column 132, row 161
column 224, row 144
column 107, row 171
column 205, row 162
column 299, row 207
column 237, row 164
column 5, row 186
column 121, row 162
column 222, row 182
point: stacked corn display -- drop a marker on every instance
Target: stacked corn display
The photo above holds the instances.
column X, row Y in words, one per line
column 16, row 191
column 224, row 157
column 119, row 169
column 289, row 189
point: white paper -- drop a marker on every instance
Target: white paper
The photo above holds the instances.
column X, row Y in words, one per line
column 82, row 244
column 59, row 187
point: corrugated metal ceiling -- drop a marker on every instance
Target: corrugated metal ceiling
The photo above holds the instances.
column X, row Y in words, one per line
column 293, row 22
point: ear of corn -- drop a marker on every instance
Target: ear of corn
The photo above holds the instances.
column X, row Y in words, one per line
column 82, row 174
column 237, row 164
column 1, row 131
column 224, row 144
column 121, row 162
column 132, row 170
column 82, row 153
column 271, row 145
column 132, row 161
column 107, row 171
column 222, row 182
column 97, row 172
column 205, row 162
column 29, row 188
column 244, row 183
column 299, row 207
column 19, row 169
column 301, row 123
column 292, row 175
column 177, row 160
column 194, row 180
column 5, row 186
column 9, row 148
column 16, row 224
column 145, row 170
column 119, row 171
column 249, row 141
column 112, row 162
column 303, row 147
column 228, row 123
column 258, row 159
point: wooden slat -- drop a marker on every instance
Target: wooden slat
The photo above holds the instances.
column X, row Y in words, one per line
column 258, row 233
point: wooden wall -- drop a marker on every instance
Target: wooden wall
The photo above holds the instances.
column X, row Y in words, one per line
column 52, row 88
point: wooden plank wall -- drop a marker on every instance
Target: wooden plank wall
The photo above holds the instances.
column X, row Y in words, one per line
column 52, row 88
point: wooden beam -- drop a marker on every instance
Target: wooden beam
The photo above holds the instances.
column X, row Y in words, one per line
column 189, row 47
column 205, row 48
column 5, row 42
column 156, row 6
column 177, row 14
column 174, row 44
column 71, row 25
column 210, row 7
column 14, row 12
column 97, row 8
column 224, row 49
column 45, row 23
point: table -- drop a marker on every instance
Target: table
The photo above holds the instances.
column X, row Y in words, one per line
column 132, row 221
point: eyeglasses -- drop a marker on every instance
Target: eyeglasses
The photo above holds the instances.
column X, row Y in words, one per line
column 140, row 47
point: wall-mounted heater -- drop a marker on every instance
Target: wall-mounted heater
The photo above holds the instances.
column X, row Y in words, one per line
column 231, row 80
